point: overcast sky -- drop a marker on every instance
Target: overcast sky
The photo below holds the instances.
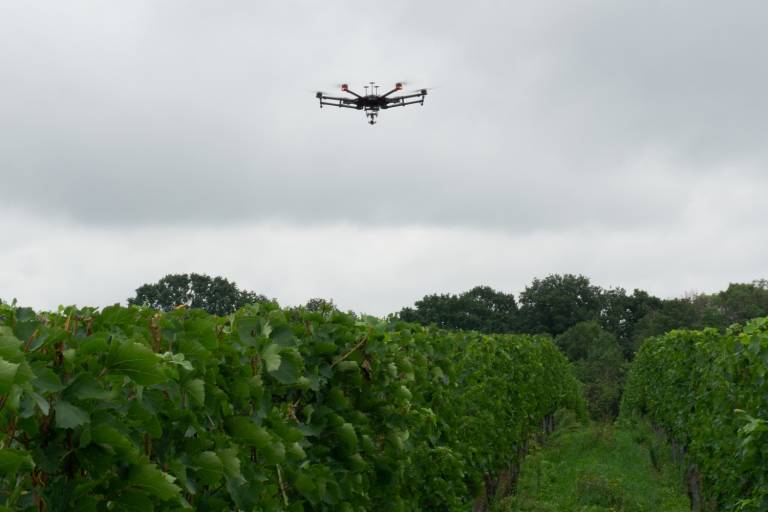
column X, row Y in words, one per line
column 623, row 140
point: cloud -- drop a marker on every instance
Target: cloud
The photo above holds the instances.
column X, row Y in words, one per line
column 184, row 113
column 381, row 269
column 621, row 140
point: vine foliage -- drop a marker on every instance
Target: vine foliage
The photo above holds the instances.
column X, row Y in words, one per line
column 709, row 392
column 261, row 410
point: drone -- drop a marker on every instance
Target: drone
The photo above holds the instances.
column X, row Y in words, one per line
column 371, row 102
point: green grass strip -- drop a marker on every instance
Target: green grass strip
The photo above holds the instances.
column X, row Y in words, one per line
column 600, row 467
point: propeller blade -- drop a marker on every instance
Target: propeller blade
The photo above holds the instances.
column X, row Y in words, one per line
column 422, row 88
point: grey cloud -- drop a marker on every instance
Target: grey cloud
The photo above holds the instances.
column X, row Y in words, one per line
column 374, row 270
column 551, row 115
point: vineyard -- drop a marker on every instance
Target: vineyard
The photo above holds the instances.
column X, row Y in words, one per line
column 708, row 392
column 131, row 409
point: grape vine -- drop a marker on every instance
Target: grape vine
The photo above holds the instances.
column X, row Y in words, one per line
column 131, row 409
column 709, row 392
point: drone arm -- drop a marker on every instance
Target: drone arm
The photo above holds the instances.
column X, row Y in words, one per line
column 390, row 92
column 341, row 105
column 352, row 93
column 400, row 100
column 404, row 103
column 322, row 96
column 419, row 94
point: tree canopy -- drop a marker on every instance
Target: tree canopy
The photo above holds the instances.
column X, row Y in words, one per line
column 557, row 302
column 481, row 309
column 216, row 295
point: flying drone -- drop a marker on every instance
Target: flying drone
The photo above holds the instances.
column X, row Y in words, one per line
column 371, row 102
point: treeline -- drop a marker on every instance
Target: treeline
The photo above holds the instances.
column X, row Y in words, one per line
column 264, row 409
column 557, row 302
column 708, row 391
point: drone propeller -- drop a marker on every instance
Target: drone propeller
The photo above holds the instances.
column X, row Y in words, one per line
column 343, row 86
column 422, row 89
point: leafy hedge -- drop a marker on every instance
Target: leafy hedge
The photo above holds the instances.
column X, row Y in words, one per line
column 131, row 409
column 709, row 392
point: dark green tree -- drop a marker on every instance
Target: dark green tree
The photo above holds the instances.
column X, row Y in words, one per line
column 680, row 313
column 320, row 305
column 480, row 309
column 216, row 295
column 557, row 302
column 620, row 314
column 741, row 302
column 599, row 364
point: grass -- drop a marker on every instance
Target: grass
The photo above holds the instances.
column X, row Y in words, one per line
column 600, row 468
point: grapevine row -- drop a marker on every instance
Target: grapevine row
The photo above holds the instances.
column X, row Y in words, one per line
column 709, row 392
column 265, row 409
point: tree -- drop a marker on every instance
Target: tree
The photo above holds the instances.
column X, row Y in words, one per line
column 599, row 364
column 216, row 295
column 739, row 303
column 481, row 309
column 743, row 301
column 620, row 314
column 320, row 305
column 557, row 302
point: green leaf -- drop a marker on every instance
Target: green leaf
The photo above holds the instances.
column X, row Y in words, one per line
column 283, row 335
column 291, row 366
column 306, row 486
column 196, row 389
column 246, row 327
column 244, row 430
column 274, row 452
column 138, row 362
column 324, row 347
column 296, row 451
column 46, row 380
column 210, row 468
column 12, row 461
column 348, row 437
column 7, row 375
column 204, row 330
column 153, row 482
column 10, row 346
column 134, row 501
column 70, row 416
column 230, row 462
column 345, row 366
column 178, row 360
column 95, row 344
column 41, row 402
column 109, row 436
column 271, row 356
column 85, row 387
column 145, row 419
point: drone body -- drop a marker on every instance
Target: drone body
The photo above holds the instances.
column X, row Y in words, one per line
column 371, row 102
